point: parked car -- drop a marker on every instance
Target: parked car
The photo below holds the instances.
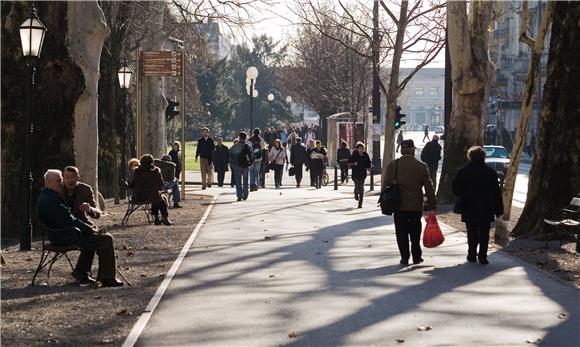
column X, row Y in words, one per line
column 498, row 158
column 440, row 129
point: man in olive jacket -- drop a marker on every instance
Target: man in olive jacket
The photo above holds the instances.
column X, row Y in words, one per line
column 411, row 175
column 56, row 214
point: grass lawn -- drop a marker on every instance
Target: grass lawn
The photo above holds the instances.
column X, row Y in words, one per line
column 190, row 148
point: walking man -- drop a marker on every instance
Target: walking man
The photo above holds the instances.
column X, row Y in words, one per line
column 257, row 144
column 426, row 133
column 361, row 163
column 411, row 175
column 205, row 148
column 298, row 159
column 399, row 140
column 430, row 155
column 342, row 156
column 241, row 157
column 221, row 158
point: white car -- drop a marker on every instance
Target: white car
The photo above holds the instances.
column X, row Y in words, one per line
column 440, row 129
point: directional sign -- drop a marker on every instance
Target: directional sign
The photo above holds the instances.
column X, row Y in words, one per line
column 161, row 63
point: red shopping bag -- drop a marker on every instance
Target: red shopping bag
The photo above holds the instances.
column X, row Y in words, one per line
column 432, row 236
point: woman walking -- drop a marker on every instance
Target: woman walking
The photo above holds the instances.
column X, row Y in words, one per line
column 480, row 199
column 317, row 156
column 277, row 158
column 361, row 163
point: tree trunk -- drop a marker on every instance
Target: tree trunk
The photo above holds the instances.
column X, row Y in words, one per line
column 537, row 48
column 153, row 89
column 393, row 93
column 472, row 74
column 555, row 174
column 58, row 84
column 87, row 31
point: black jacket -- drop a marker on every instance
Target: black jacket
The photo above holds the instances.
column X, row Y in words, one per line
column 298, row 154
column 221, row 158
column 176, row 159
column 477, row 185
column 363, row 163
column 431, row 153
column 205, row 148
column 342, row 154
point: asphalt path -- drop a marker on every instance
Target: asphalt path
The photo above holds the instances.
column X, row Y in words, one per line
column 304, row 267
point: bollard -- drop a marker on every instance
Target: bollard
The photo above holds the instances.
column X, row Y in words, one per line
column 335, row 177
column 372, row 181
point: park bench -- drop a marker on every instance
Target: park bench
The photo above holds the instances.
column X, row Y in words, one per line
column 134, row 205
column 50, row 253
column 565, row 220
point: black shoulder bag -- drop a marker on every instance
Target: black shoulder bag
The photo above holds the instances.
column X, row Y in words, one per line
column 391, row 196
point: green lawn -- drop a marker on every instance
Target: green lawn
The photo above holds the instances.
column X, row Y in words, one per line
column 190, row 148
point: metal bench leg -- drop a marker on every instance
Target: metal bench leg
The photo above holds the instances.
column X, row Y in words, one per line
column 69, row 262
column 41, row 265
column 130, row 210
column 54, row 259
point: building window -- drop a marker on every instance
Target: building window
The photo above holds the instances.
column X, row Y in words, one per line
column 433, row 91
column 419, row 91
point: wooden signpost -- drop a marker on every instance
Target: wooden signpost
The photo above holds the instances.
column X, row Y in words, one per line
column 162, row 63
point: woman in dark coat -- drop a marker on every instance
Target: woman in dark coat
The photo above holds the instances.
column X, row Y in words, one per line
column 316, row 163
column 480, row 201
column 146, row 185
column 360, row 163
column 221, row 159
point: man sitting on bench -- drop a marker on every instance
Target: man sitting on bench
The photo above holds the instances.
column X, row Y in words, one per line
column 167, row 168
column 56, row 214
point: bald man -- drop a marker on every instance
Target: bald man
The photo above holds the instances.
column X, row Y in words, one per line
column 56, row 214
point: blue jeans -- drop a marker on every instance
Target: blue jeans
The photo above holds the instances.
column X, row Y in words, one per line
column 241, row 180
column 255, row 173
column 174, row 186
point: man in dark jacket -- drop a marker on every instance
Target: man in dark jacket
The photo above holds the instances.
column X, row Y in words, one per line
column 56, row 215
column 361, row 163
column 400, row 140
column 175, row 154
column 477, row 187
column 298, row 159
column 205, row 148
column 221, row 159
column 167, row 167
column 412, row 176
column 241, row 169
column 342, row 156
column 430, row 155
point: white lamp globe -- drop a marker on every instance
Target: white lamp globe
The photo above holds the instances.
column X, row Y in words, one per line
column 252, row 73
column 288, row 99
column 270, row 97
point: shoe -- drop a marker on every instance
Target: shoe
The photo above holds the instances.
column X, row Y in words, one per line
column 111, row 282
column 404, row 262
column 471, row 258
column 166, row 221
column 209, row 185
column 239, row 199
column 417, row 261
column 245, row 198
column 262, row 186
column 483, row 261
column 157, row 221
column 356, row 196
column 202, row 188
column 359, row 205
column 176, row 205
column 83, row 278
column 220, row 185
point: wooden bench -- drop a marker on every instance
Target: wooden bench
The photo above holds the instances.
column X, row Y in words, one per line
column 565, row 220
column 59, row 251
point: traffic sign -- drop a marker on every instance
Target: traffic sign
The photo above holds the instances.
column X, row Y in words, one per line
column 162, row 63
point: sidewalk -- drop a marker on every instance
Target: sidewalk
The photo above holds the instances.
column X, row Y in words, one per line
column 303, row 267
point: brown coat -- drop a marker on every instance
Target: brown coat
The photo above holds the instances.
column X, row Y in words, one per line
column 412, row 176
column 82, row 193
column 146, row 184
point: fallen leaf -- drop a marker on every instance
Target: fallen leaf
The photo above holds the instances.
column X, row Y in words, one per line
column 106, row 341
column 562, row 316
column 369, row 246
column 97, row 297
column 272, row 276
column 267, row 238
column 325, row 241
column 424, row 328
column 400, row 340
column 130, row 254
column 293, row 335
column 143, row 275
column 534, row 342
column 124, row 312
column 125, row 248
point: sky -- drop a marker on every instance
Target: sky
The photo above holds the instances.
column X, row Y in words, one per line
column 277, row 20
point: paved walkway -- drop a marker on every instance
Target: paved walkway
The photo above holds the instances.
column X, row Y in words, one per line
column 329, row 276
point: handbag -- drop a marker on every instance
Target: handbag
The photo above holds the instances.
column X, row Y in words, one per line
column 391, row 196
column 459, row 206
column 292, row 171
column 432, row 236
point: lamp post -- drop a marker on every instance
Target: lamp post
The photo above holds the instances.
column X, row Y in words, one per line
column 124, row 75
column 252, row 74
column 32, row 33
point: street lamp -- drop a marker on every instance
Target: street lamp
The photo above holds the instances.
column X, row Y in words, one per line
column 288, row 99
column 270, row 97
column 252, row 74
column 32, row 33
column 124, row 76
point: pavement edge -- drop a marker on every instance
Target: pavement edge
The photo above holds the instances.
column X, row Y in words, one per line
column 139, row 326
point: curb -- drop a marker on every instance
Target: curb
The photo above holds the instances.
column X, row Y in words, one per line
column 144, row 318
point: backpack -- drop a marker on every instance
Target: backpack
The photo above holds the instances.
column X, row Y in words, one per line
column 257, row 149
column 391, row 196
column 245, row 157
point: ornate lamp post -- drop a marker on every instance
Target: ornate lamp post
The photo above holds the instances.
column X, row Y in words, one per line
column 124, row 75
column 32, row 33
column 252, row 74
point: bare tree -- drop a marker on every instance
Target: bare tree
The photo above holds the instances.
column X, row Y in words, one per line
column 537, row 48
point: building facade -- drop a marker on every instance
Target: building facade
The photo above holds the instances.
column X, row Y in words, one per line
column 422, row 100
